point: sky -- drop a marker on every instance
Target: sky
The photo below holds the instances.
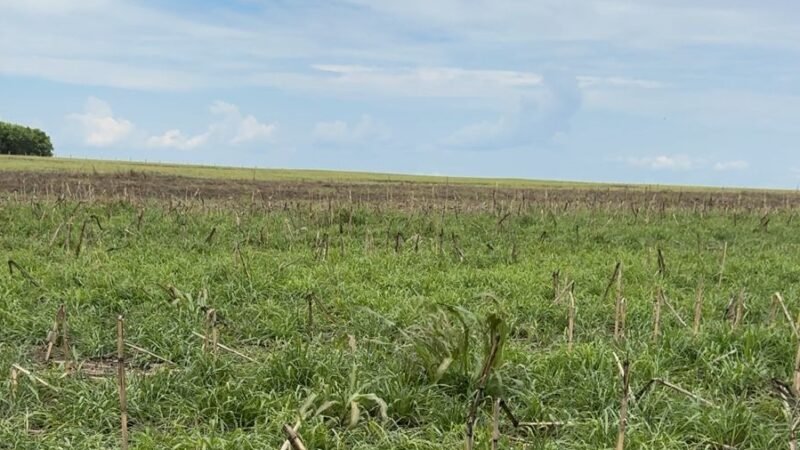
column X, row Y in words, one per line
column 648, row 91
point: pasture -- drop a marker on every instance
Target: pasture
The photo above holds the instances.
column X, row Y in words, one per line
column 393, row 315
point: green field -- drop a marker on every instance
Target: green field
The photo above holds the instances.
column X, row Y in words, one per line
column 370, row 326
column 29, row 163
column 243, row 173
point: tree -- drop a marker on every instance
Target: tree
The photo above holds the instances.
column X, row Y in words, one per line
column 21, row 140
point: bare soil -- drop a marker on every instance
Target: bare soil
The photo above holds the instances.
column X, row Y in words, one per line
column 143, row 185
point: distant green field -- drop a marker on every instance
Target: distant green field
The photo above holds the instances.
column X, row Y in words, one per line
column 242, row 173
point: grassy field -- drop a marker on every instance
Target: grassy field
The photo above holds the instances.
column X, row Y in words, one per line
column 27, row 163
column 377, row 328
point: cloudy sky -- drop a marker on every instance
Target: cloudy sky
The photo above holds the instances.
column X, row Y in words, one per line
column 658, row 91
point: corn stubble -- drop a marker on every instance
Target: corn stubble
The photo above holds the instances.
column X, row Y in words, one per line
column 443, row 320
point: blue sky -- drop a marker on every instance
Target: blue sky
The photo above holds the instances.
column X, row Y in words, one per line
column 624, row 91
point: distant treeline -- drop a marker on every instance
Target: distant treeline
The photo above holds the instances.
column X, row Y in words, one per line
column 21, row 140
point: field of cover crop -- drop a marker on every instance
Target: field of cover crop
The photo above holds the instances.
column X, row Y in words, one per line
column 518, row 318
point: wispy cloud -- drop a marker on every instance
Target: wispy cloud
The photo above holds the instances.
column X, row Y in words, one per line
column 99, row 126
column 237, row 128
column 96, row 72
column 232, row 127
column 645, row 23
column 425, row 77
column 192, row 53
column 586, row 81
column 684, row 162
column 176, row 139
column 339, row 132
column 539, row 119
column 665, row 162
column 724, row 166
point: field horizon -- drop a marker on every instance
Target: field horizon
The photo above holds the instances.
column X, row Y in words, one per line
column 368, row 313
column 110, row 166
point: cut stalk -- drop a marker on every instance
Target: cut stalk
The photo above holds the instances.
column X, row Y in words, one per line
column 618, row 303
column 14, row 375
column 796, row 378
column 55, row 234
column 212, row 334
column 496, row 425
column 777, row 297
column 33, row 377
column 571, row 322
column 698, row 309
column 472, row 415
column 80, row 239
column 675, row 388
column 286, row 444
column 739, row 315
column 673, row 311
column 67, row 238
column 52, row 336
column 226, row 348
column 147, row 352
column 623, row 408
column 293, row 438
column 722, row 264
column 657, row 313
column 310, row 321
column 123, row 396
column 556, row 286
column 773, row 310
column 611, row 280
column 62, row 315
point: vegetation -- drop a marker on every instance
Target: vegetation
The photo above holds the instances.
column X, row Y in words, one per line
column 376, row 327
column 21, row 140
column 17, row 163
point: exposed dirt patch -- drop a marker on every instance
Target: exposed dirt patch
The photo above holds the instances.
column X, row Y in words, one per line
column 96, row 367
column 142, row 185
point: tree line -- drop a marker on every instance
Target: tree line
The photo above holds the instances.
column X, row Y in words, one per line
column 22, row 140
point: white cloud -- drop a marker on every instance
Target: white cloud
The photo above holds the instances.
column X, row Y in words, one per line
column 479, row 134
column 723, row 166
column 99, row 126
column 176, row 139
column 340, row 132
column 665, row 162
column 540, row 118
column 237, row 128
column 232, row 128
column 250, row 129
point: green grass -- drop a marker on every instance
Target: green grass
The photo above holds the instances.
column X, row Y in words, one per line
column 27, row 163
column 407, row 313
